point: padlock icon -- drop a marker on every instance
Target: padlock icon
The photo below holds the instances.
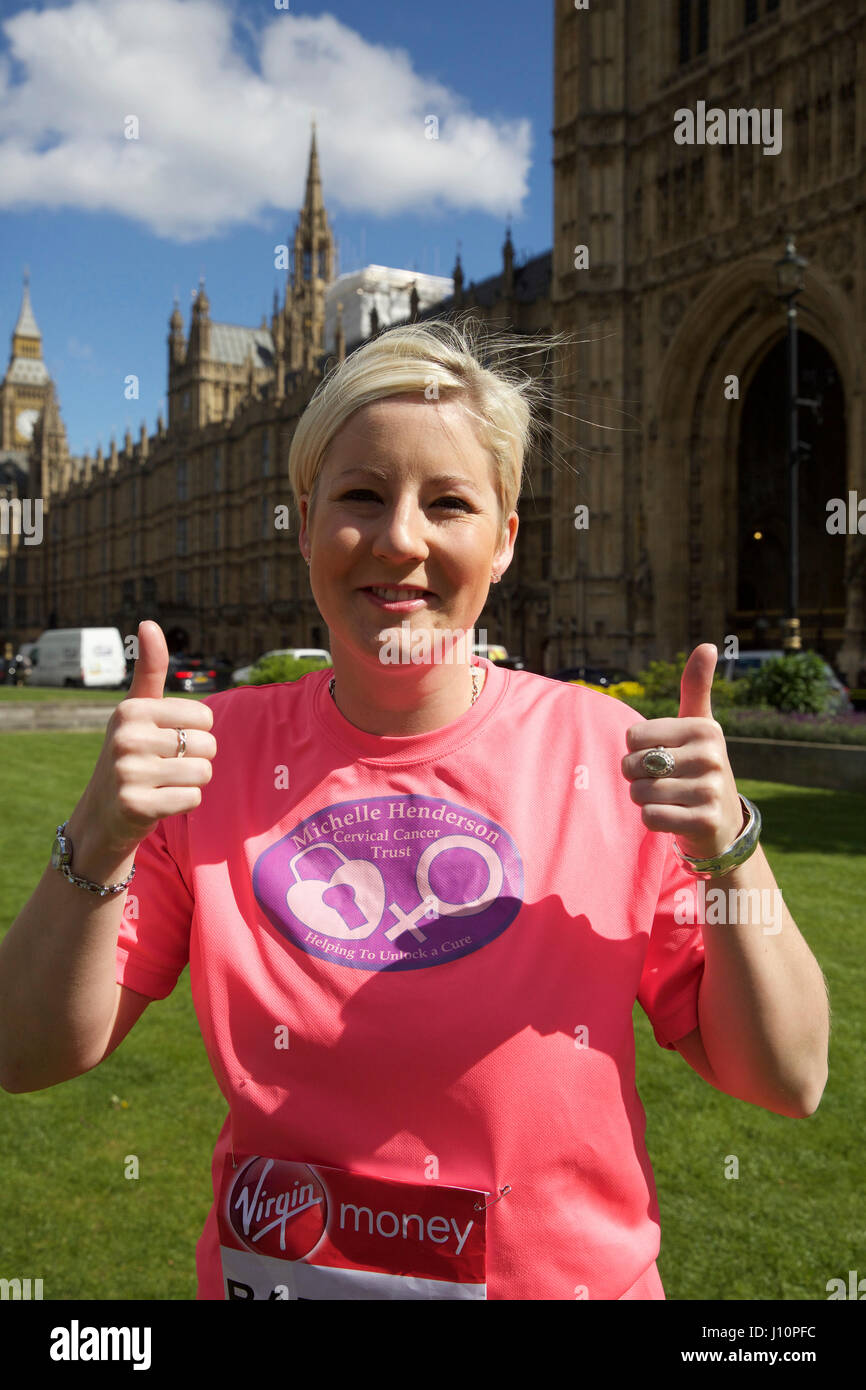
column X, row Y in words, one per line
column 305, row 898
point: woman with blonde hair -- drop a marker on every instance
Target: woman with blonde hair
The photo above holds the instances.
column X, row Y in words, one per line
column 418, row 897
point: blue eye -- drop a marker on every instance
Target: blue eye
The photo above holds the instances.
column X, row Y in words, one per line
column 367, row 494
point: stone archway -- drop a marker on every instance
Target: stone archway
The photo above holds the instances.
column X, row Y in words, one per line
column 763, row 525
column 689, row 475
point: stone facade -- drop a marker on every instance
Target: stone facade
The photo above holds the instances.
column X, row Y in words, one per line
column 688, row 518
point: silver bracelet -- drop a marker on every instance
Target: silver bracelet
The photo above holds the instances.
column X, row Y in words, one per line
column 737, row 853
column 61, row 858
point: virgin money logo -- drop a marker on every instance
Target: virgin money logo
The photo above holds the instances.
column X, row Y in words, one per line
column 391, row 883
column 277, row 1208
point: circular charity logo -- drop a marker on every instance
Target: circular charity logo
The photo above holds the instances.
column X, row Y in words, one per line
column 277, row 1208
column 397, row 882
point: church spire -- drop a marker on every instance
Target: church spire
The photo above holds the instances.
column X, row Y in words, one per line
column 457, row 277
column 26, row 327
column 508, row 262
column 176, row 339
column 314, row 204
column 311, row 273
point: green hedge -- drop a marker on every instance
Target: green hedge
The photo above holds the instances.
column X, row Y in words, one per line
column 768, row 723
column 793, row 683
column 274, row 669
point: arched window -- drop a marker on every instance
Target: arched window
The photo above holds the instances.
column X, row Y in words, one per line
column 694, row 25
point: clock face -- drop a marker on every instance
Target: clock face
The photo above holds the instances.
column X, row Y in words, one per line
column 24, row 422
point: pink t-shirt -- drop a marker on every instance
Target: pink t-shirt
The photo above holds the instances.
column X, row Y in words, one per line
column 414, row 961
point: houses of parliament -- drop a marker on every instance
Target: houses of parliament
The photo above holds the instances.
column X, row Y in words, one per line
column 669, row 429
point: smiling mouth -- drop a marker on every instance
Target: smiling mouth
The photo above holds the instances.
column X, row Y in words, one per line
column 397, row 591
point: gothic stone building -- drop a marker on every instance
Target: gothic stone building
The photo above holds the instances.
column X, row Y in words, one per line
column 655, row 513
column 684, row 472
column 195, row 525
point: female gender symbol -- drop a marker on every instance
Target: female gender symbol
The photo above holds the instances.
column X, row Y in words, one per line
column 431, row 900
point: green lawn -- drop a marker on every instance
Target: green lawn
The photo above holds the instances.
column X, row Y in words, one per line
column 28, row 694
column 792, row 1220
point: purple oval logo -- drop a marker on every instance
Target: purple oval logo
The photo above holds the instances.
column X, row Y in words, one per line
column 391, row 882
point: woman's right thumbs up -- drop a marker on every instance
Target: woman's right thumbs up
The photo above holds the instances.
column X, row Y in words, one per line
column 138, row 778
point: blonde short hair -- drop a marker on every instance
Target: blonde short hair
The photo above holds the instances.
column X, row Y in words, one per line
column 444, row 359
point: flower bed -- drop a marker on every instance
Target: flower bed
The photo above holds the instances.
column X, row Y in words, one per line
column 744, row 721
column 804, row 728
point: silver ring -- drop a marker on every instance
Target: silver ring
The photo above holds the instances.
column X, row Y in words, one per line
column 657, row 763
column 181, row 743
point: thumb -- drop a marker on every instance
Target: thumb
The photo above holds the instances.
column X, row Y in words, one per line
column 151, row 668
column 697, row 683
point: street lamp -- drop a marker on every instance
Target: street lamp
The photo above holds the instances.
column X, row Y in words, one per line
column 9, row 493
column 790, row 280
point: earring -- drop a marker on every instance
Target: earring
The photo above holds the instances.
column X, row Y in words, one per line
column 495, row 578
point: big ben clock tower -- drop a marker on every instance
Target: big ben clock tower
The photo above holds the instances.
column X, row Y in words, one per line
column 25, row 387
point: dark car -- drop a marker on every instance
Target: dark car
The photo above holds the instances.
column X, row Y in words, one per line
column 593, row 675
column 190, row 673
column 223, row 666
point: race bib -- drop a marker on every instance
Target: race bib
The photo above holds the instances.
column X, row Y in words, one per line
column 295, row 1230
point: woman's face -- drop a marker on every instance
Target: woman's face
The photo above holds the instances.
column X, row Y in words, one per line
column 406, row 501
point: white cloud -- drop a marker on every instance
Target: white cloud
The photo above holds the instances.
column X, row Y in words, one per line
column 218, row 141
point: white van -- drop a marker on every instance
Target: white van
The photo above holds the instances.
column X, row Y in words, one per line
column 79, row 656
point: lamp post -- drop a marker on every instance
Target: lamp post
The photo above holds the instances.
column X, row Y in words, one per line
column 9, row 493
column 790, row 280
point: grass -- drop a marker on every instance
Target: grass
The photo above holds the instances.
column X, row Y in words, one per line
column 71, row 1217
column 30, row 694
column 793, row 1218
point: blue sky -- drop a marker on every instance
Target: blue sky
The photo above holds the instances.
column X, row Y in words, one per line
column 224, row 90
